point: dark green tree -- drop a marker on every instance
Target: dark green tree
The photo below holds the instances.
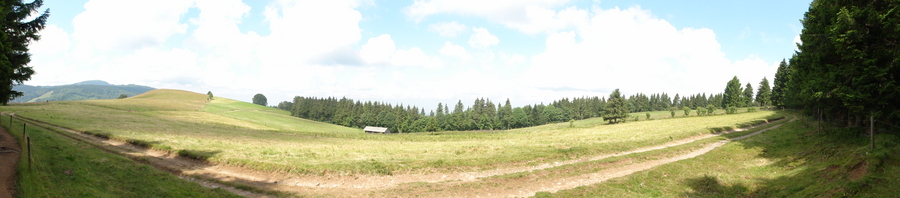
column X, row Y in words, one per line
column 732, row 96
column 748, row 95
column 209, row 95
column 615, row 110
column 763, row 93
column 122, row 96
column 16, row 35
column 260, row 99
column 781, row 79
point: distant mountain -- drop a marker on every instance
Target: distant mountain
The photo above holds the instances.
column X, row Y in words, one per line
column 87, row 90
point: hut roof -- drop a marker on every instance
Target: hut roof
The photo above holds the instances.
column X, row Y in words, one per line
column 376, row 129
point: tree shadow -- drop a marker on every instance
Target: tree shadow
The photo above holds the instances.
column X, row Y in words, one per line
column 709, row 186
column 824, row 164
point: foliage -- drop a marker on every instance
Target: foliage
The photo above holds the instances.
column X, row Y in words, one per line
column 779, row 86
column 763, row 93
column 122, row 96
column 648, row 115
column 701, row 111
column 710, row 109
column 260, row 99
column 16, row 35
column 672, row 111
column 210, row 94
column 731, row 110
column 732, row 95
column 687, row 110
column 748, row 95
column 88, row 90
column 847, row 65
column 285, row 105
column 615, row 110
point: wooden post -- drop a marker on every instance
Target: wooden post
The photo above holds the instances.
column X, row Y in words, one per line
column 23, row 129
column 872, row 132
column 30, row 161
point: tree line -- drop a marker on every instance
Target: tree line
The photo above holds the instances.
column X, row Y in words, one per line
column 845, row 71
column 485, row 114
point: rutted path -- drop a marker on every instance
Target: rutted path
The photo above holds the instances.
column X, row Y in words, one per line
column 363, row 183
column 606, row 174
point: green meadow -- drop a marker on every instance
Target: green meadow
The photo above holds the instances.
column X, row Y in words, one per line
column 242, row 134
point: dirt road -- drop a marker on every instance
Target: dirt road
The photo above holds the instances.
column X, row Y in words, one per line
column 9, row 156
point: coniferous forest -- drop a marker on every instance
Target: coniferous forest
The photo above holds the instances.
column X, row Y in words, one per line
column 483, row 114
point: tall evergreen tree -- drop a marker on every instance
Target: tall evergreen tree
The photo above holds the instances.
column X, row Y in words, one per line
column 781, row 79
column 16, row 35
column 763, row 93
column 732, row 96
column 748, row 95
column 615, row 110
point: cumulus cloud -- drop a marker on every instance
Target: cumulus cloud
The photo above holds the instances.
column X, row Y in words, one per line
column 632, row 50
column 451, row 50
column 529, row 16
column 378, row 50
column 451, row 29
column 127, row 26
column 481, row 38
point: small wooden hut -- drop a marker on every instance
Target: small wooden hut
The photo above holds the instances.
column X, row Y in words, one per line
column 381, row 130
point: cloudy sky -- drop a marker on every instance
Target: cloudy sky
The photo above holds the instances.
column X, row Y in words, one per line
column 417, row 52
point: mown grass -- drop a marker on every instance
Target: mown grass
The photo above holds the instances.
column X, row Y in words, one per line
column 68, row 168
column 786, row 162
column 243, row 134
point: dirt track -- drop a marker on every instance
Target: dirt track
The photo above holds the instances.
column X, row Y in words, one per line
column 354, row 184
column 9, row 156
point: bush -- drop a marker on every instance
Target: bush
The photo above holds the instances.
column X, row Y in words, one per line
column 710, row 109
column 687, row 111
column 731, row 110
column 648, row 116
column 701, row 111
column 751, row 109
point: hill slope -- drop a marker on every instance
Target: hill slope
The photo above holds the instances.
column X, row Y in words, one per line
column 87, row 90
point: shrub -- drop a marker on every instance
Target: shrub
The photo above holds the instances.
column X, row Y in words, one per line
column 700, row 111
column 731, row 110
column 710, row 109
column 687, row 110
column 751, row 109
column 648, row 116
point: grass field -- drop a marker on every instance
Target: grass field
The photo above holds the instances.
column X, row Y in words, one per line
column 243, row 134
column 68, row 168
column 786, row 162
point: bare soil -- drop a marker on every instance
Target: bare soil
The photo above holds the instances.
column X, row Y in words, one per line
column 9, row 156
column 214, row 175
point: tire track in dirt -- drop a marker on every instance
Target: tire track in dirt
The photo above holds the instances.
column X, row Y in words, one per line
column 316, row 183
column 606, row 174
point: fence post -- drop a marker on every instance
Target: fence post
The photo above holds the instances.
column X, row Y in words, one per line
column 872, row 132
column 30, row 161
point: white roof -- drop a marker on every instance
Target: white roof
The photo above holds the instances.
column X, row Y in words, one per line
column 376, row 129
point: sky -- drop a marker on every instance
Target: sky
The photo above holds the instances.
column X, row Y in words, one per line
column 417, row 52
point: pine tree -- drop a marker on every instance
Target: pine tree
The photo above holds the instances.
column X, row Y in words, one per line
column 732, row 95
column 16, row 35
column 763, row 93
column 781, row 79
column 615, row 110
column 748, row 95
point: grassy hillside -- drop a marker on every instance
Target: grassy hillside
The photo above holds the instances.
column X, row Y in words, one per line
column 244, row 134
column 790, row 161
column 65, row 167
column 88, row 90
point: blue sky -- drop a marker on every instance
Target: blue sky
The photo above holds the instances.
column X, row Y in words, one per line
column 417, row 52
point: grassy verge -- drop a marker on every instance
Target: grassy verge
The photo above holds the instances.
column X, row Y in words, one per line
column 786, row 162
column 67, row 168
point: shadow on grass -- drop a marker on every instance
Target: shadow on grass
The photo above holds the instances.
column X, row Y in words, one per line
column 832, row 163
column 198, row 154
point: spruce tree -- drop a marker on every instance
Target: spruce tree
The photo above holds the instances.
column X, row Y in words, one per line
column 748, row 95
column 732, row 96
column 763, row 93
column 17, row 34
column 615, row 110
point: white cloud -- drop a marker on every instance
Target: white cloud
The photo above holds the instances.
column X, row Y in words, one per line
column 414, row 57
column 632, row 50
column 127, row 26
column 378, row 50
column 797, row 41
column 455, row 51
column 451, row 29
column 481, row 38
column 529, row 16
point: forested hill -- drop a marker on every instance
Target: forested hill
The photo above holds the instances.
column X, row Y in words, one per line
column 87, row 90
